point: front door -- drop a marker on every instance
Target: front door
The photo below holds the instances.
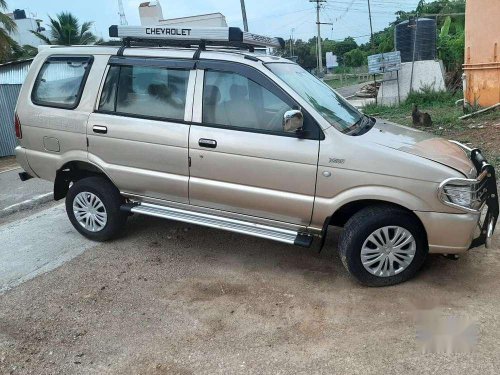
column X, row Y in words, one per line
column 241, row 159
column 139, row 133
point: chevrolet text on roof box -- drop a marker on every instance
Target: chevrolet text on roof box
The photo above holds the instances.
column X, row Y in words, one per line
column 167, row 31
column 210, row 35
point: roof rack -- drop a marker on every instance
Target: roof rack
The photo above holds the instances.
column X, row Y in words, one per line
column 168, row 35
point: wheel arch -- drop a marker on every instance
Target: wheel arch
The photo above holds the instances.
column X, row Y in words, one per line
column 345, row 212
column 73, row 171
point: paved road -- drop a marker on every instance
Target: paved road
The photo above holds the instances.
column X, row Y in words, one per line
column 348, row 91
column 169, row 298
column 15, row 194
column 37, row 244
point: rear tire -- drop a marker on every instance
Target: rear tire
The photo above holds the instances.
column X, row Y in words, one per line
column 93, row 207
column 383, row 245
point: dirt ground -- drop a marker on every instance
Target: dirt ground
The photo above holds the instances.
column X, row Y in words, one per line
column 168, row 298
column 482, row 134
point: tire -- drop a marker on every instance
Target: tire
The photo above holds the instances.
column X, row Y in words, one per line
column 356, row 240
column 108, row 218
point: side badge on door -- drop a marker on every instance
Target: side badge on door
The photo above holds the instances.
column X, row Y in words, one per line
column 337, row 161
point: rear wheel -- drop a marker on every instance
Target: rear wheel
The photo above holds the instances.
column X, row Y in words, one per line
column 383, row 245
column 93, row 207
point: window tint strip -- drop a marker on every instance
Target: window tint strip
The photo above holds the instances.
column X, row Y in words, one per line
column 152, row 61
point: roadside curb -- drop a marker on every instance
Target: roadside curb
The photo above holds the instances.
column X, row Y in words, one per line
column 27, row 204
column 9, row 170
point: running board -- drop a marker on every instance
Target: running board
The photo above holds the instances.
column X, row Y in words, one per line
column 218, row 222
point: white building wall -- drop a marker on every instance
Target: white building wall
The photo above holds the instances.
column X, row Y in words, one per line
column 150, row 13
column 205, row 20
column 23, row 35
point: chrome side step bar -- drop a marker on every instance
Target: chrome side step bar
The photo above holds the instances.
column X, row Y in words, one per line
column 218, row 222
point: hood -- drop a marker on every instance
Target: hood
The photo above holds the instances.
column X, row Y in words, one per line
column 420, row 143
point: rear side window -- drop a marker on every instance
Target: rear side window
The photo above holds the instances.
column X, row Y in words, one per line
column 145, row 91
column 61, row 80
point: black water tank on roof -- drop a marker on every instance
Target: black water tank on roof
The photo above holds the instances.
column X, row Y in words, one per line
column 425, row 32
column 19, row 14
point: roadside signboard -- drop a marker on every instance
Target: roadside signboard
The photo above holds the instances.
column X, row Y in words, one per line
column 331, row 60
column 384, row 62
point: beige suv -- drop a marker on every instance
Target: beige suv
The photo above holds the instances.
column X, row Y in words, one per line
column 248, row 143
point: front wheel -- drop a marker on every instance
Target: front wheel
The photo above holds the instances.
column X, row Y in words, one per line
column 383, row 245
column 93, row 207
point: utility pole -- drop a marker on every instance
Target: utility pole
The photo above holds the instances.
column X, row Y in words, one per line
column 371, row 25
column 244, row 14
column 373, row 50
column 320, row 53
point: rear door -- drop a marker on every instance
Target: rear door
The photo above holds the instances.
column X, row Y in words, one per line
column 241, row 159
column 139, row 131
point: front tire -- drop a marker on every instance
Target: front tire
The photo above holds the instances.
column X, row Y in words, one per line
column 93, row 207
column 383, row 245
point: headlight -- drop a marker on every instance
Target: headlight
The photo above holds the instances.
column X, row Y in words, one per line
column 464, row 193
column 460, row 195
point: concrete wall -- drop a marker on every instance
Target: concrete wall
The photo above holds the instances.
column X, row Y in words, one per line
column 428, row 73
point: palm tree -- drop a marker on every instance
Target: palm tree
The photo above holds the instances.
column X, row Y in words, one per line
column 66, row 30
column 7, row 26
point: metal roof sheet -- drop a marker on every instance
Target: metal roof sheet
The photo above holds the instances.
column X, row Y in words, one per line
column 14, row 73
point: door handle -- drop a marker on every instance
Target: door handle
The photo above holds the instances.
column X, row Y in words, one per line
column 100, row 129
column 208, row 143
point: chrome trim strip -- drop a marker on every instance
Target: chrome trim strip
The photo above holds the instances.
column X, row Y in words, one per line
column 461, row 145
column 489, row 233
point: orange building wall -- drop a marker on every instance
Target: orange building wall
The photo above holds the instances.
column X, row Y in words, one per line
column 482, row 52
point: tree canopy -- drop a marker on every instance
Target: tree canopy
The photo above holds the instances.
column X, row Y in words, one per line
column 66, row 30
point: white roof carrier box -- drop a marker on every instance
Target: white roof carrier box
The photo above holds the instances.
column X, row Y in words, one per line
column 178, row 35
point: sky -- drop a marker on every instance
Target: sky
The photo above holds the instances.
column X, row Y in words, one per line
column 267, row 17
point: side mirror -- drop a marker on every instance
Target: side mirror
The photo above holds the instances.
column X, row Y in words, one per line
column 293, row 120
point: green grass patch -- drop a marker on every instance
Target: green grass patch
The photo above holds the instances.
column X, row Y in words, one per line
column 440, row 105
column 479, row 131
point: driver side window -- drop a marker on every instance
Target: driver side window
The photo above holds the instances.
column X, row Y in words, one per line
column 232, row 100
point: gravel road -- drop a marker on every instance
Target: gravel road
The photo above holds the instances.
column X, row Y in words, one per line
column 168, row 298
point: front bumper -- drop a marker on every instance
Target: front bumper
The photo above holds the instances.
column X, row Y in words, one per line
column 489, row 221
column 457, row 233
column 449, row 233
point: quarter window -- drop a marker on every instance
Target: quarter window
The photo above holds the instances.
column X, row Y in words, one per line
column 232, row 100
column 145, row 92
column 60, row 81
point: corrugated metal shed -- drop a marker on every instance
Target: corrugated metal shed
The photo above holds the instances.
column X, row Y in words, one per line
column 8, row 100
column 14, row 73
column 12, row 76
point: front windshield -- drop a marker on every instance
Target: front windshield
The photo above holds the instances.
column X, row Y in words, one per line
column 335, row 109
